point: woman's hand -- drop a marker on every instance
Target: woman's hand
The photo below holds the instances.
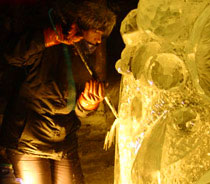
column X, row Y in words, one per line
column 93, row 94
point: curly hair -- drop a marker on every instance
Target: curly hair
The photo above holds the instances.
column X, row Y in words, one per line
column 95, row 16
column 87, row 15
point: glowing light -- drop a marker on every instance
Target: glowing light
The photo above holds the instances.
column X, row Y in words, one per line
column 150, row 82
column 28, row 179
column 19, row 180
column 119, row 70
column 158, row 177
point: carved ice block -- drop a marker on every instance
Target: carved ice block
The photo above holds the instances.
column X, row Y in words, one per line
column 163, row 129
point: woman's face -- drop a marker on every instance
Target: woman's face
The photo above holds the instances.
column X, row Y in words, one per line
column 93, row 36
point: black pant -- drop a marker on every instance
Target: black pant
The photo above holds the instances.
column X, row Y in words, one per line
column 35, row 170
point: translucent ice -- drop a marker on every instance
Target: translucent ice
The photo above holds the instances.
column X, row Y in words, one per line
column 163, row 129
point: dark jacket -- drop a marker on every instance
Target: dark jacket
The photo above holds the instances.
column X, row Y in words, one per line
column 39, row 121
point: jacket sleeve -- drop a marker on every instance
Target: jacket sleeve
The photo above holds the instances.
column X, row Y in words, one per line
column 24, row 49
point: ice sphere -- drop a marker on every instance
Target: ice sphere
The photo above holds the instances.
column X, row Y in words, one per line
column 163, row 129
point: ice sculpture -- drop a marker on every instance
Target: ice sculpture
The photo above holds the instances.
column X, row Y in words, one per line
column 163, row 129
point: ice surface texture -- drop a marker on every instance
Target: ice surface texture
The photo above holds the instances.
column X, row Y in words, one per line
column 163, row 129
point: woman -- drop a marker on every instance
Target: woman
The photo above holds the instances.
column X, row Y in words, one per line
column 39, row 127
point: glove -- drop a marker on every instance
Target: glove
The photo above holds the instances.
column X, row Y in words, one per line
column 93, row 94
column 52, row 38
